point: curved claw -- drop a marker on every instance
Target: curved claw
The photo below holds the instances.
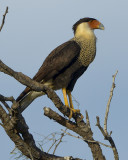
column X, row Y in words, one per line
column 72, row 110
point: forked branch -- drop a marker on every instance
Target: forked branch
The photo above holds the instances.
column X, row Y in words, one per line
column 80, row 127
column 104, row 131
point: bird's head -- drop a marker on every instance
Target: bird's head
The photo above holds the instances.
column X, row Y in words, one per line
column 86, row 26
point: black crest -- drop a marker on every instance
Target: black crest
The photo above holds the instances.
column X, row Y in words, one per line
column 87, row 19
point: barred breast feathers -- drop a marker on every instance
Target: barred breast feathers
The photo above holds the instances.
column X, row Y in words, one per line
column 88, row 49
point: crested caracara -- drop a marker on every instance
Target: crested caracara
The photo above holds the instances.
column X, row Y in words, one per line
column 66, row 63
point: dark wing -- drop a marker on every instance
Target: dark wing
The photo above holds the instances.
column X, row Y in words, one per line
column 59, row 59
column 75, row 76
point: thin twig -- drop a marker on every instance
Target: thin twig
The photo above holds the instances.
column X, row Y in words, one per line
column 53, row 138
column 3, row 20
column 52, row 145
column 57, row 144
column 89, row 141
column 13, row 150
column 81, row 128
column 47, row 138
column 108, row 104
column 99, row 126
column 109, row 138
column 74, row 100
column 104, row 131
column 62, row 135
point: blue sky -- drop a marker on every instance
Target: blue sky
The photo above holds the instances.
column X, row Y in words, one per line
column 32, row 30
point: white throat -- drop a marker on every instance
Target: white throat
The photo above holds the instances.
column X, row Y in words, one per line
column 83, row 30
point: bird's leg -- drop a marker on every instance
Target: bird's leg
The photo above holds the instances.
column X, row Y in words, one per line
column 66, row 101
column 65, row 97
column 71, row 104
column 70, row 99
column 65, row 93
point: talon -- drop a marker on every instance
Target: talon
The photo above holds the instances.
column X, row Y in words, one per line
column 72, row 110
column 75, row 110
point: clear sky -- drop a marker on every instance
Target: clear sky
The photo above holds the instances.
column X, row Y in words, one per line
column 32, row 30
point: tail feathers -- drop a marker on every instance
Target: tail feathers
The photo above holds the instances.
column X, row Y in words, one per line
column 23, row 94
column 28, row 99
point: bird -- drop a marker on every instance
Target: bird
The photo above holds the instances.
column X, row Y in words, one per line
column 66, row 63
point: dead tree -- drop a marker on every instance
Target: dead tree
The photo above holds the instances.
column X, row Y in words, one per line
column 16, row 128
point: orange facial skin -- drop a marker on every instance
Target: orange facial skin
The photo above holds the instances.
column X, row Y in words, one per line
column 94, row 24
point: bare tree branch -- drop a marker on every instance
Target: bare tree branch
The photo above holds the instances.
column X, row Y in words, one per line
column 25, row 80
column 109, row 138
column 3, row 20
column 87, row 119
column 89, row 141
column 52, row 145
column 104, row 131
column 56, row 141
column 80, row 128
column 60, row 140
column 16, row 125
column 16, row 128
column 108, row 104
column 2, row 98
column 6, row 106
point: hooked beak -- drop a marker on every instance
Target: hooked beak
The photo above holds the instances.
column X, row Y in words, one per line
column 101, row 26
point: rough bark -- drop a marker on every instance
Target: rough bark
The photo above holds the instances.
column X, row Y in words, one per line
column 19, row 130
column 16, row 128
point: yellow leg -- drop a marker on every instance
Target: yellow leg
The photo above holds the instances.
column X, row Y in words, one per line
column 65, row 93
column 65, row 97
column 71, row 103
column 71, row 106
column 70, row 99
column 66, row 101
